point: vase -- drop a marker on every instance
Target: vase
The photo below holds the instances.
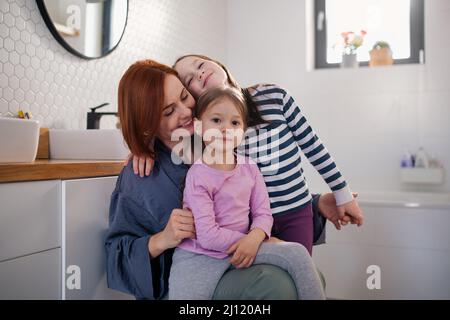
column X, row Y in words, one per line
column 381, row 57
column 350, row 61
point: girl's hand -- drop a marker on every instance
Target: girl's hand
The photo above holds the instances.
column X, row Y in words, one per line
column 329, row 209
column 352, row 210
column 179, row 227
column 246, row 248
column 141, row 165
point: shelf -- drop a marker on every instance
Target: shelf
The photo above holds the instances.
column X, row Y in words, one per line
column 434, row 176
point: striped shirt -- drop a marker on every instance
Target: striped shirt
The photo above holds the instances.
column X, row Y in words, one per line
column 276, row 148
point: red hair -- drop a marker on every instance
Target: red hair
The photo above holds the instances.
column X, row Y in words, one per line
column 141, row 101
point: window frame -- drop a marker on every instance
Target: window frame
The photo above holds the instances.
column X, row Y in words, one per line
column 417, row 28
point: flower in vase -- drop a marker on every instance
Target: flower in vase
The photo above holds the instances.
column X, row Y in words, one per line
column 352, row 41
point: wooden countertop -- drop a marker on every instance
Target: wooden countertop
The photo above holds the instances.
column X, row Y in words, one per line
column 58, row 169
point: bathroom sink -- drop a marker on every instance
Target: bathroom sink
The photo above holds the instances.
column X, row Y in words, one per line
column 103, row 144
column 18, row 140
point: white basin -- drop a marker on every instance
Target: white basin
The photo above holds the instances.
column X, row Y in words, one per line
column 104, row 144
column 19, row 140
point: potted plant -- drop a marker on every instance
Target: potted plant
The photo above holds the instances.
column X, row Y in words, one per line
column 350, row 44
column 381, row 54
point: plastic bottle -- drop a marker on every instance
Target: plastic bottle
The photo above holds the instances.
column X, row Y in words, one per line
column 434, row 162
column 422, row 159
column 406, row 160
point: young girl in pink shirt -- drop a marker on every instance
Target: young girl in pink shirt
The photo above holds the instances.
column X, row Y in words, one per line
column 230, row 204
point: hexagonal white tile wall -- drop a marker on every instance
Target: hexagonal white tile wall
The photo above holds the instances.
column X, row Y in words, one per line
column 38, row 75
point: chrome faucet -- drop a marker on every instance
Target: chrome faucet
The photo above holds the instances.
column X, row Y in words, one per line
column 93, row 118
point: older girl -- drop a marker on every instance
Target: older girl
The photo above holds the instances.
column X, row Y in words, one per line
column 277, row 136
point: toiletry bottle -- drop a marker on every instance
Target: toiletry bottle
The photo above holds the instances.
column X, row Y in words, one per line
column 422, row 159
column 434, row 163
column 406, row 160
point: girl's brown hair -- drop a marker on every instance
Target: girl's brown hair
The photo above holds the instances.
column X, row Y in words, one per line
column 253, row 115
column 140, row 104
column 214, row 95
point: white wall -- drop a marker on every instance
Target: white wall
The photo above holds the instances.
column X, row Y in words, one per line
column 38, row 75
column 366, row 117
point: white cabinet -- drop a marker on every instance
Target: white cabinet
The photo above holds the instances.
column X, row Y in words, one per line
column 411, row 246
column 35, row 276
column 46, row 229
column 30, row 240
column 85, row 223
column 30, row 217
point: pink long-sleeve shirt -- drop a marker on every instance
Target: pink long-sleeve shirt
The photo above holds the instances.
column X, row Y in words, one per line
column 226, row 205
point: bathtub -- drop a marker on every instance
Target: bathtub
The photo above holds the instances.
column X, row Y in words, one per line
column 405, row 235
column 404, row 199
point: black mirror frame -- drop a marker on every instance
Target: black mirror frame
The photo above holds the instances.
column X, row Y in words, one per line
column 48, row 21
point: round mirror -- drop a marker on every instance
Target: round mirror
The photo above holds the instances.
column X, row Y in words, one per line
column 87, row 28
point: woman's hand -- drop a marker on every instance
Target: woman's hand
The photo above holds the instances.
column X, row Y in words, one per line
column 329, row 209
column 179, row 227
column 246, row 248
column 141, row 165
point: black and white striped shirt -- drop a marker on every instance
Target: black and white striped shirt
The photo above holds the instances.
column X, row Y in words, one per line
column 276, row 148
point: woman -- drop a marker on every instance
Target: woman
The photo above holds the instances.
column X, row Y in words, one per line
column 146, row 219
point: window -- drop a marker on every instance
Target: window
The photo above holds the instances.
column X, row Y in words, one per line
column 399, row 23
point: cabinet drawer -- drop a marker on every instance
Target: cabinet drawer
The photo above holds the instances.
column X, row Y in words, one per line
column 37, row 276
column 30, row 218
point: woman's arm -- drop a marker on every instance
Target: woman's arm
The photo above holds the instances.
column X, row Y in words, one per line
column 180, row 226
column 138, row 261
column 129, row 268
column 128, row 262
